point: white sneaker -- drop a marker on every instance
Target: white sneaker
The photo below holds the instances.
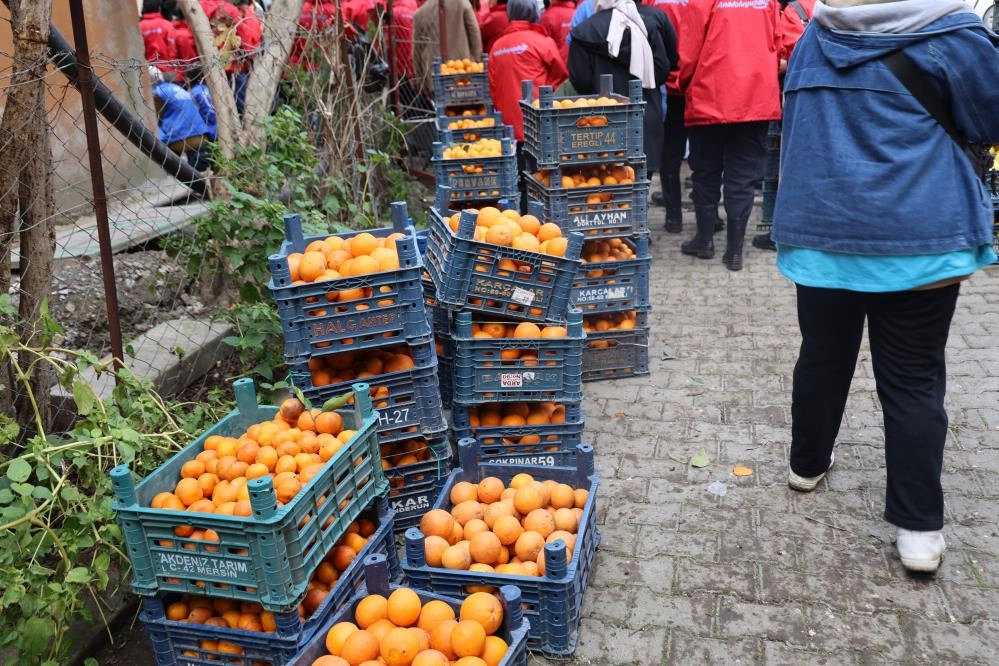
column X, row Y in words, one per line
column 920, row 551
column 807, row 484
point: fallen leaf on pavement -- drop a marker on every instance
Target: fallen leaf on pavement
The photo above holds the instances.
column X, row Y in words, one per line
column 739, row 470
column 700, row 459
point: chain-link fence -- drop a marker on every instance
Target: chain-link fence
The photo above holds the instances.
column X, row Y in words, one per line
column 188, row 267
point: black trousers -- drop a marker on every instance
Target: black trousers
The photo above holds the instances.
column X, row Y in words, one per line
column 674, row 147
column 908, row 333
column 730, row 154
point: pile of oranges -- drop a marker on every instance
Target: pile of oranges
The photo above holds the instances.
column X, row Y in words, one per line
column 403, row 453
column 517, row 415
column 578, row 102
column 590, row 176
column 471, row 124
column 465, row 111
column 333, row 258
column 599, row 251
column 354, row 366
column 520, row 232
column 525, row 329
column 250, row 616
column 614, row 321
column 492, row 528
column 292, row 449
column 463, row 66
column 401, row 630
column 477, row 150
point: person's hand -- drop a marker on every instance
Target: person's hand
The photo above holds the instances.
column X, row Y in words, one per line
column 781, row 66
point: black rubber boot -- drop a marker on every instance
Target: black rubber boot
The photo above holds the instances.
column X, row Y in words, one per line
column 764, row 242
column 674, row 220
column 702, row 245
column 736, row 237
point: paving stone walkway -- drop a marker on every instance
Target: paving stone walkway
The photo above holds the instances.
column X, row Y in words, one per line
column 765, row 575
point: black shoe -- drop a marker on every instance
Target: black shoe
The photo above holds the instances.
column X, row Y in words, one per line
column 733, row 252
column 702, row 245
column 674, row 221
column 733, row 261
column 658, row 199
column 764, row 242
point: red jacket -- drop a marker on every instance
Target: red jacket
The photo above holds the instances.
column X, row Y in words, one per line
column 315, row 19
column 728, row 61
column 492, row 26
column 792, row 27
column 674, row 10
column 556, row 20
column 523, row 52
column 160, row 39
column 402, row 36
column 358, row 11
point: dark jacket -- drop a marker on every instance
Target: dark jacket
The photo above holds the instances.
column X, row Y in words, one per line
column 589, row 59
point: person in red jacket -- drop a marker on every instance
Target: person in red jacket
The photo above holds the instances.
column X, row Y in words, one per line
column 557, row 21
column 493, row 24
column 675, row 133
column 402, row 36
column 316, row 18
column 158, row 36
column 524, row 52
column 794, row 16
column 728, row 72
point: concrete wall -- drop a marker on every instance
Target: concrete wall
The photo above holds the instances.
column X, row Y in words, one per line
column 117, row 55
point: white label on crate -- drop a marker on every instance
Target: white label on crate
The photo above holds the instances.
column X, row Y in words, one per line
column 522, row 296
column 512, row 380
column 394, row 417
column 202, row 566
column 593, row 294
column 411, row 504
column 541, row 461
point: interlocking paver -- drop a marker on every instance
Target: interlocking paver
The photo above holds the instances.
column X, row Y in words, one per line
column 766, row 575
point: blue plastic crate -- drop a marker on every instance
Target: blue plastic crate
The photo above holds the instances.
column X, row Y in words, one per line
column 178, row 643
column 482, row 374
column 314, row 320
column 412, row 406
column 587, row 134
column 448, row 113
column 466, row 274
column 478, row 178
column 548, row 445
column 617, row 353
column 625, row 214
column 464, row 88
column 553, row 603
column 450, row 135
column 514, row 629
column 771, row 172
column 414, row 488
column 614, row 286
column 269, row 556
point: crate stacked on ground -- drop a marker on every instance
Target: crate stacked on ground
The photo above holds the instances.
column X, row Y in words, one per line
column 992, row 183
column 351, row 307
column 245, row 541
column 504, row 319
column 544, row 544
column 590, row 175
column 390, row 620
column 476, row 154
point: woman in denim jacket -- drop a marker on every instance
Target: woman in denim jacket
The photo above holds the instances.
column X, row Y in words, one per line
column 879, row 216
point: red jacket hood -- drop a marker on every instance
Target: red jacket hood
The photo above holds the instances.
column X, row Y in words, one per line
column 518, row 26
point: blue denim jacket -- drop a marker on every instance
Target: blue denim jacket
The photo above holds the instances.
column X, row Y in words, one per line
column 864, row 168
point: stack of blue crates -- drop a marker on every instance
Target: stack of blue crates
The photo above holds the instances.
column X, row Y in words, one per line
column 330, row 341
column 520, row 396
column 992, row 183
column 465, row 115
column 265, row 560
column 587, row 168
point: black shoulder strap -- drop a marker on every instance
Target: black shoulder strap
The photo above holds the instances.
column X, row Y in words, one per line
column 906, row 72
column 802, row 14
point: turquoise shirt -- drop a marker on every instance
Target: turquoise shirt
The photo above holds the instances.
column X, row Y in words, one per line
column 858, row 272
